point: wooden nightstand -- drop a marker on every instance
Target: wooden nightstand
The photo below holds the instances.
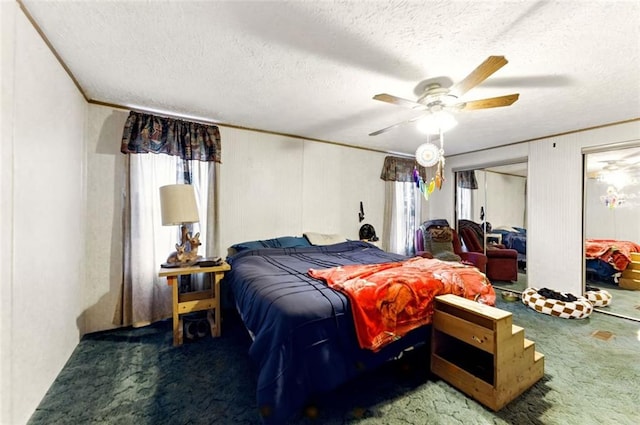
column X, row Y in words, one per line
column 195, row 301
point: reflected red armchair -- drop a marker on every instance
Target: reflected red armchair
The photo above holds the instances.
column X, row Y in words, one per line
column 476, row 259
column 502, row 263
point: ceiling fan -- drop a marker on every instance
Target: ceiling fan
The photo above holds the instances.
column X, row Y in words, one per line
column 626, row 160
column 437, row 98
column 614, row 166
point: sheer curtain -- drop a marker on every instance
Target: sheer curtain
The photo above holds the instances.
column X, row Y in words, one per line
column 466, row 182
column 153, row 163
column 465, row 204
column 402, row 217
column 402, row 205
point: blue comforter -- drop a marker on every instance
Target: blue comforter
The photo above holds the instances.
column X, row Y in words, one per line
column 304, row 339
column 515, row 240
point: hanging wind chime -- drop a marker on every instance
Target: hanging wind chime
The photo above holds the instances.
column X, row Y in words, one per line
column 429, row 155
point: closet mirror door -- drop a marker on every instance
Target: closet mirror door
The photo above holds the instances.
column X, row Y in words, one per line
column 495, row 207
column 612, row 230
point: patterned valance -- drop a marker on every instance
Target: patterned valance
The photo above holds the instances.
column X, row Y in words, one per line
column 144, row 133
column 398, row 169
column 467, row 179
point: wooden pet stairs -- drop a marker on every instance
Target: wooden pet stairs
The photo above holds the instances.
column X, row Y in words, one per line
column 477, row 349
column 630, row 278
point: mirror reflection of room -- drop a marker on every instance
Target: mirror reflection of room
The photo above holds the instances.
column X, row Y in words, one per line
column 612, row 228
column 491, row 214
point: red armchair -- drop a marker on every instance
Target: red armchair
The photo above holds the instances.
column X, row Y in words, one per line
column 502, row 263
column 476, row 259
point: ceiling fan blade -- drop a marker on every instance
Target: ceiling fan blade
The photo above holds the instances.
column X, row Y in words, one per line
column 391, row 127
column 383, row 97
column 478, row 75
column 491, row 102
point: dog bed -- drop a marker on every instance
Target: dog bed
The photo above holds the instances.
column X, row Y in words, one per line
column 566, row 306
column 598, row 297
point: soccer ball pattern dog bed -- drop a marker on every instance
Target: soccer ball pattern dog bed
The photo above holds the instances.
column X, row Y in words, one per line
column 579, row 308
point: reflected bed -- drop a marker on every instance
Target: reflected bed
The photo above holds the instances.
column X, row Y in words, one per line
column 606, row 258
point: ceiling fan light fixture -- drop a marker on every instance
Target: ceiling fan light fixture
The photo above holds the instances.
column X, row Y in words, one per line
column 435, row 98
column 617, row 178
column 435, row 122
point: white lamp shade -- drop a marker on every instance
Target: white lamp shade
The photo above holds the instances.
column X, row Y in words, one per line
column 178, row 204
column 436, row 121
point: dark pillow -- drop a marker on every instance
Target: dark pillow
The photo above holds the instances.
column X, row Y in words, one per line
column 281, row 242
column 288, row 242
column 247, row 245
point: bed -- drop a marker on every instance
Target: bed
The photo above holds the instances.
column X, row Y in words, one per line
column 607, row 258
column 304, row 332
column 514, row 238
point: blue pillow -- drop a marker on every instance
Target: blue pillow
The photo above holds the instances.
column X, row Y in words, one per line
column 247, row 245
column 288, row 242
column 281, row 242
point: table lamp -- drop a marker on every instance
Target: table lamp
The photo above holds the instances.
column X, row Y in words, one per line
column 178, row 207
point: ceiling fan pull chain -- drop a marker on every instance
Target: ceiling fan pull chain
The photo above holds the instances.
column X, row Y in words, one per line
column 441, row 147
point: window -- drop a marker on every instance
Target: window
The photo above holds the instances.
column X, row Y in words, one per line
column 162, row 151
column 404, row 217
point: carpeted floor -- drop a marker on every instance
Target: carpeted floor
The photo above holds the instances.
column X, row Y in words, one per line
column 136, row 376
column 624, row 302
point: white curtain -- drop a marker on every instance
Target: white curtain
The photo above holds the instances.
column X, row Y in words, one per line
column 465, row 203
column 145, row 296
column 401, row 217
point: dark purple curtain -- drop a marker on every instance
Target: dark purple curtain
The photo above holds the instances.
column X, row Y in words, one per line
column 467, row 179
column 398, row 169
column 145, row 133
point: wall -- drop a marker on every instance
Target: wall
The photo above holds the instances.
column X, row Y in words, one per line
column 276, row 186
column 336, row 179
column 554, row 199
column 43, row 216
column 505, row 200
column 7, row 64
column 104, row 245
column 554, row 237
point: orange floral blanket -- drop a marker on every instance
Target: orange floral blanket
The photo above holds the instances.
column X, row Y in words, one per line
column 615, row 252
column 390, row 299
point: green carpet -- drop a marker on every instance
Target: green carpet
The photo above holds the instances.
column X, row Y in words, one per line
column 624, row 302
column 136, row 376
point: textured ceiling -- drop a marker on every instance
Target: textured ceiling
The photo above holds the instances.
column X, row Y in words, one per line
column 310, row 68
